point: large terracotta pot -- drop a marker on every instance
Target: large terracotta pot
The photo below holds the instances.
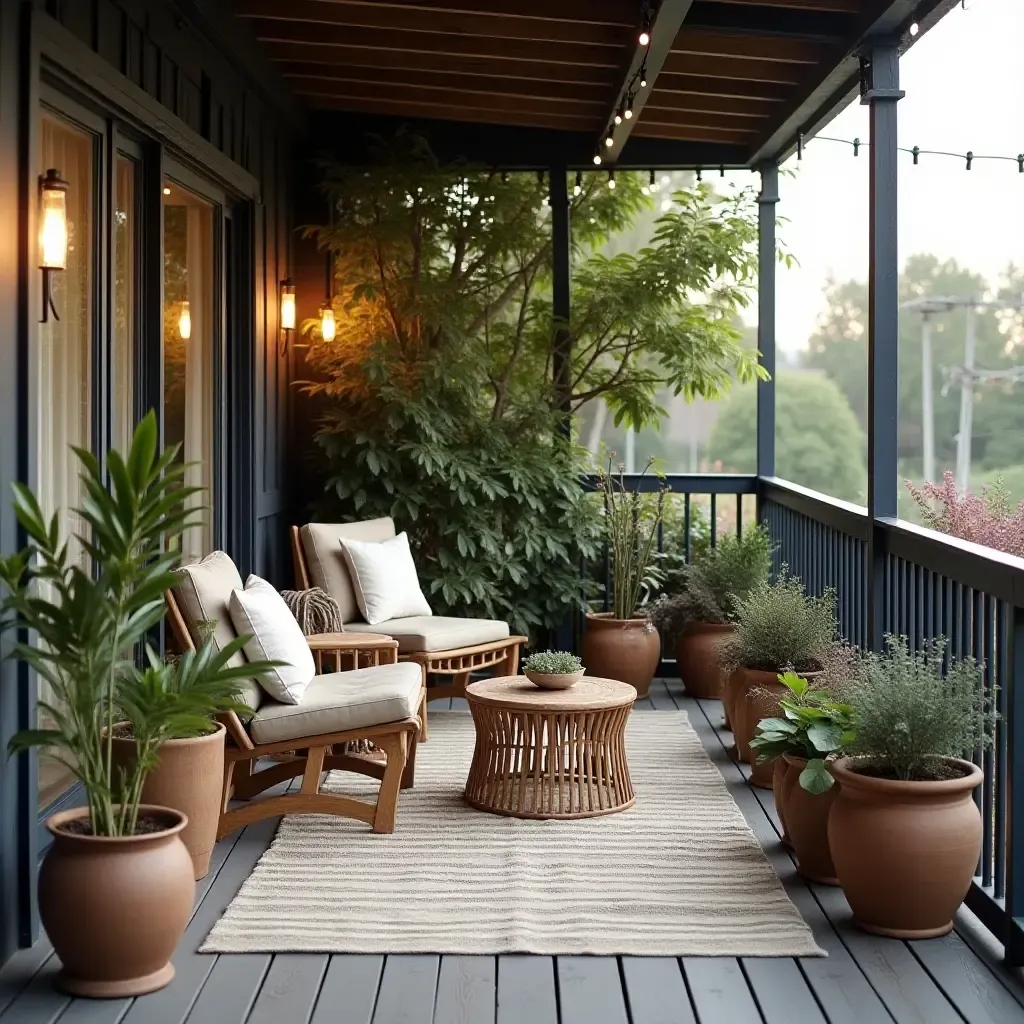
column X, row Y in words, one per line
column 733, row 683
column 115, row 908
column 623, row 649
column 190, row 779
column 760, row 700
column 905, row 852
column 781, row 770
column 789, row 780
column 807, row 817
column 697, row 659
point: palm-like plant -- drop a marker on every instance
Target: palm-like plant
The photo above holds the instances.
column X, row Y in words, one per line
column 80, row 630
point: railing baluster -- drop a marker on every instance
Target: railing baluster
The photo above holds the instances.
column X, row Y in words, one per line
column 739, row 515
column 714, row 520
column 1013, row 939
column 987, row 761
column 1002, row 680
column 686, row 527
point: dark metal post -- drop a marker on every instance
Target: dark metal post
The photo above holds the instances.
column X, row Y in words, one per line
column 561, row 248
column 880, row 80
column 1013, row 939
column 766, row 260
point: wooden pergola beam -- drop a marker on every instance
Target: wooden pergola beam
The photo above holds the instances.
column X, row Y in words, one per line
column 826, row 6
column 738, row 69
column 664, row 28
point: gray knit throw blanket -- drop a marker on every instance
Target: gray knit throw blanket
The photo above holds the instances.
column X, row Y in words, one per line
column 314, row 610
column 317, row 612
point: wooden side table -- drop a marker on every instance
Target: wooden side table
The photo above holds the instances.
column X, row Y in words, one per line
column 550, row 753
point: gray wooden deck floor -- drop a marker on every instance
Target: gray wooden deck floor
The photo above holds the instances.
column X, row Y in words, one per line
column 864, row 980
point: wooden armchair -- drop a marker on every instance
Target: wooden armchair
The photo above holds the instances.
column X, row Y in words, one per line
column 313, row 729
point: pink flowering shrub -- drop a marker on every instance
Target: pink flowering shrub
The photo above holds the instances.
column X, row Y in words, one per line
column 989, row 518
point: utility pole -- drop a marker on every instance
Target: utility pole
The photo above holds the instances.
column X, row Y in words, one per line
column 927, row 399
column 963, row 437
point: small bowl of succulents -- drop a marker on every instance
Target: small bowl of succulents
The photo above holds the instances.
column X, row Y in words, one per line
column 553, row 670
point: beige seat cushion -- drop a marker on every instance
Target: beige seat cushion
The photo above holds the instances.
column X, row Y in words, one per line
column 321, row 544
column 342, row 701
column 436, row 632
column 204, row 592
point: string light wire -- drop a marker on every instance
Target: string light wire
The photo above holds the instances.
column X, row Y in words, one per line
column 969, row 158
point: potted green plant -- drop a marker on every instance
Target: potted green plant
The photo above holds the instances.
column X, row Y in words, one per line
column 116, row 886
column 553, row 670
column 697, row 613
column 811, row 730
column 187, row 774
column 622, row 643
column 779, row 628
column 904, row 830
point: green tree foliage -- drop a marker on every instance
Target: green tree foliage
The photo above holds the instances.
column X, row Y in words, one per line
column 839, row 348
column 436, row 398
column 818, row 441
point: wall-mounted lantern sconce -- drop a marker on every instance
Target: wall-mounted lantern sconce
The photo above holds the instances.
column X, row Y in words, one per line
column 328, row 327
column 287, row 318
column 185, row 322
column 53, row 234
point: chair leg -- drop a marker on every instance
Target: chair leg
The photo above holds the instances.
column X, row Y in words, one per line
column 228, row 787
column 424, row 727
column 313, row 770
column 395, row 747
column 409, row 773
column 513, row 660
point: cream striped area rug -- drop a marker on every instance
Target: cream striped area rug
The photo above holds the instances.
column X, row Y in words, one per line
column 678, row 874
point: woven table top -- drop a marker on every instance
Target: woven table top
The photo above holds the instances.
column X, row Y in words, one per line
column 591, row 693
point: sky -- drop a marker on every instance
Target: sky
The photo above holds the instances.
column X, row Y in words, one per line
column 964, row 83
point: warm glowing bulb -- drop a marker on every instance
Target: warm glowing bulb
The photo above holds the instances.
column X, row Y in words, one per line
column 167, row 191
column 645, row 37
column 576, row 190
column 185, row 322
column 328, row 327
column 597, row 158
column 628, row 114
column 287, row 306
column 618, row 118
column 611, row 179
column 643, row 81
column 53, row 222
column 915, row 28
column 609, row 141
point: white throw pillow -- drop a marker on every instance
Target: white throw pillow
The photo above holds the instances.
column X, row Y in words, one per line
column 384, row 579
column 260, row 613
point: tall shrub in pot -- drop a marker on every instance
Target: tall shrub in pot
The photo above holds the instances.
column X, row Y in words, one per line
column 904, row 831
column 622, row 643
column 116, row 886
column 779, row 628
column 697, row 613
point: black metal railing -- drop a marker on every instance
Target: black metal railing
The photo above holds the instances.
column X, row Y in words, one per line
column 927, row 584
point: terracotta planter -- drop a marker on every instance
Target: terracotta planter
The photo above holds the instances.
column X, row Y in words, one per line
column 789, row 780
column 554, row 680
column 697, row 659
column 761, row 700
column 624, row 649
column 905, row 852
column 188, row 778
column 733, row 683
column 781, row 770
column 115, row 908
column 807, row 816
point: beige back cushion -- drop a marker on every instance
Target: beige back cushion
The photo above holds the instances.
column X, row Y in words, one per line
column 321, row 544
column 204, row 591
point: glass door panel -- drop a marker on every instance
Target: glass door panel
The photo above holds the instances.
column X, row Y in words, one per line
column 123, row 354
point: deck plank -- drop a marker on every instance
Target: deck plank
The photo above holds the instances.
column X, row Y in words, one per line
column 782, row 992
column 290, row 989
column 230, row 991
column 407, row 990
column 526, row 990
column 466, row 990
column 590, row 990
column 656, row 991
column 20, row 969
column 41, row 1002
column 976, row 991
column 348, row 994
column 661, row 699
column 719, row 990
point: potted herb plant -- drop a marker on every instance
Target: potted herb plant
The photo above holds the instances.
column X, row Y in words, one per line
column 116, row 886
column 904, row 830
column 553, row 670
column 622, row 643
column 812, row 728
column 698, row 614
column 779, row 628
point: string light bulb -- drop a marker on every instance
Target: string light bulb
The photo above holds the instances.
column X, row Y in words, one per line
column 618, row 116
column 185, row 322
column 611, row 178
column 643, row 78
column 578, row 187
column 914, row 28
column 628, row 112
column 597, row 159
column 609, row 139
column 644, row 38
column 328, row 325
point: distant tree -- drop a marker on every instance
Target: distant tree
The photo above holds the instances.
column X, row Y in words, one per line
column 818, row 442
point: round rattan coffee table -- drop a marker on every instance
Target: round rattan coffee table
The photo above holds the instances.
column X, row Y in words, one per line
column 550, row 753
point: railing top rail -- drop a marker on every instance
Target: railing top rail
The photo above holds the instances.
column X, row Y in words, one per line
column 843, row 516
column 973, row 565
column 686, row 483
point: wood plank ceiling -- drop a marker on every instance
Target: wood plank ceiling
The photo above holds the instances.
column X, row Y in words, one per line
column 731, row 73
